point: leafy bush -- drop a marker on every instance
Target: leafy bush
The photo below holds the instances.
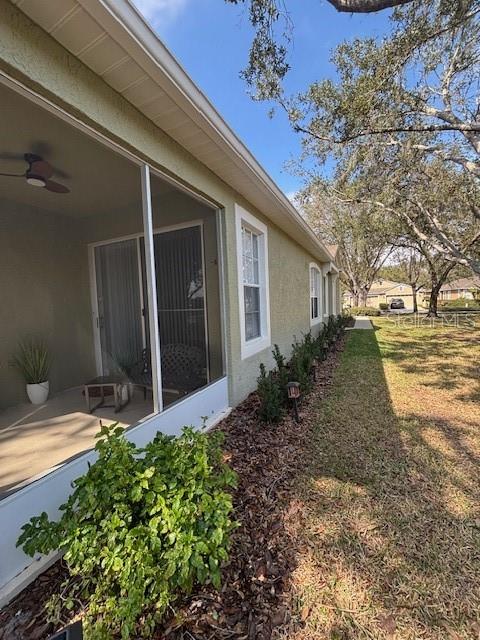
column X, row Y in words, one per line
column 271, row 400
column 322, row 343
column 347, row 319
column 141, row 526
column 364, row 311
column 272, row 387
column 281, row 373
column 383, row 306
column 303, row 353
column 460, row 303
column 332, row 329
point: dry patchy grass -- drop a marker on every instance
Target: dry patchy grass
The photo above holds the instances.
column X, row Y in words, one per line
column 389, row 533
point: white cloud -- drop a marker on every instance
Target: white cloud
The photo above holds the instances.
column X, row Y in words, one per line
column 159, row 13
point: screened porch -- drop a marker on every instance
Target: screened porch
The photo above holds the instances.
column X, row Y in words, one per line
column 118, row 273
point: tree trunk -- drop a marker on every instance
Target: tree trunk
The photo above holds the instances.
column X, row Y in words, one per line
column 363, row 297
column 355, row 299
column 414, row 298
column 433, row 303
column 437, row 283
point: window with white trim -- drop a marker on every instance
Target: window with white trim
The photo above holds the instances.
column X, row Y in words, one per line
column 315, row 276
column 324, row 295
column 251, row 284
column 252, row 254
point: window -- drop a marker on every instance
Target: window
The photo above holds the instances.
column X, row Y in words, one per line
column 324, row 298
column 314, row 294
column 253, row 283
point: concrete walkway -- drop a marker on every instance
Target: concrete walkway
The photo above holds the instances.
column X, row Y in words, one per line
column 362, row 322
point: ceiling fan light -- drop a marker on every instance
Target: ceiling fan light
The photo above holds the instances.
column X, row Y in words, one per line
column 36, row 181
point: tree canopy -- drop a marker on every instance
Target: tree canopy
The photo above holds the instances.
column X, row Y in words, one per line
column 401, row 120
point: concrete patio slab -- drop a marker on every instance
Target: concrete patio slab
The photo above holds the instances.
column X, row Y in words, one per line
column 362, row 322
column 35, row 440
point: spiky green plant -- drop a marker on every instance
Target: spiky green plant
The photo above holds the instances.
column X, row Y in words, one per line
column 33, row 361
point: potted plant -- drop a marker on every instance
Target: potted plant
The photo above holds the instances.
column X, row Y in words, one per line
column 33, row 361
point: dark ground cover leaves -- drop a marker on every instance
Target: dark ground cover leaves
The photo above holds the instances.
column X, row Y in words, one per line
column 255, row 601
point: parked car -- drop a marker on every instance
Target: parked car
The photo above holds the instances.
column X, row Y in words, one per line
column 397, row 303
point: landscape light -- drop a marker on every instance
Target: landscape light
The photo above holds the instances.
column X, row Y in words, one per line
column 293, row 389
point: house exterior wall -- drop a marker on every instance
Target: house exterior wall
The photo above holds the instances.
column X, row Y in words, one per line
column 30, row 55
column 381, row 295
column 398, row 291
column 455, row 294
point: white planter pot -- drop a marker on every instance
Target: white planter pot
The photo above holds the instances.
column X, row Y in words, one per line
column 38, row 393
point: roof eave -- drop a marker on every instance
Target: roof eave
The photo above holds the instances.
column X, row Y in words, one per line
column 123, row 21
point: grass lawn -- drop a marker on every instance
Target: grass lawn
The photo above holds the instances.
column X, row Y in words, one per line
column 389, row 534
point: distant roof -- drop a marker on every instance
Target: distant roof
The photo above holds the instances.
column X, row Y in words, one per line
column 382, row 285
column 462, row 283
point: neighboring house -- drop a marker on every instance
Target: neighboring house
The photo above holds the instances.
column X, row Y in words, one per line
column 468, row 288
column 143, row 241
column 384, row 291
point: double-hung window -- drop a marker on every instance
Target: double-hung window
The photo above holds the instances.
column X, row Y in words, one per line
column 325, row 295
column 253, row 283
column 315, row 275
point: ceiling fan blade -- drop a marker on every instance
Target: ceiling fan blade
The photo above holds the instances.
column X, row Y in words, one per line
column 60, row 173
column 56, row 187
column 13, row 175
column 34, row 158
column 42, row 168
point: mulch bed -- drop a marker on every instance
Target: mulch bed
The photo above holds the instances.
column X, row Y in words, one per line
column 256, row 599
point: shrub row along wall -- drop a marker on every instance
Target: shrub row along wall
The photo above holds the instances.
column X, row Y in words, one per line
column 306, row 353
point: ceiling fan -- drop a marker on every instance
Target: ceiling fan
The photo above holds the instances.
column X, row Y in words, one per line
column 38, row 174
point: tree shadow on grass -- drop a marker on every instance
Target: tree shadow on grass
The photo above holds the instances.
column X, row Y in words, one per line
column 439, row 356
column 390, row 534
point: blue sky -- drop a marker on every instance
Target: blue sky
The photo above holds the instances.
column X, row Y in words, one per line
column 211, row 40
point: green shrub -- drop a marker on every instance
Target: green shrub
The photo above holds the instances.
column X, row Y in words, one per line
column 271, row 400
column 364, row 311
column 141, row 527
column 460, row 303
column 281, row 373
column 301, row 362
column 383, row 306
column 332, row 329
column 346, row 318
column 322, row 343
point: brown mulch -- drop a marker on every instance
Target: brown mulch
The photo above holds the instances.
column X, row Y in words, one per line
column 255, row 601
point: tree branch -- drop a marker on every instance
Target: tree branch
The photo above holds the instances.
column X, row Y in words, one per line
column 471, row 127
column 365, row 6
column 441, row 244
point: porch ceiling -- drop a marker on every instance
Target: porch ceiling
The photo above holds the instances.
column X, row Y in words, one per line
column 99, row 179
column 112, row 39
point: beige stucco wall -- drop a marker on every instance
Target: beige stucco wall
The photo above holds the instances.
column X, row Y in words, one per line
column 29, row 54
column 45, row 293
